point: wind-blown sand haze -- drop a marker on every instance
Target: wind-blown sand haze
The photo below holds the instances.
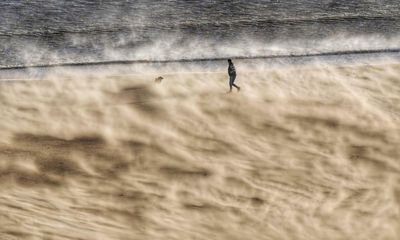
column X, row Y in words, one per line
column 305, row 152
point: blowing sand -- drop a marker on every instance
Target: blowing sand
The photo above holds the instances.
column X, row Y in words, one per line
column 299, row 153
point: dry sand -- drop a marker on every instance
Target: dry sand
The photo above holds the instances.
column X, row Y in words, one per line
column 300, row 153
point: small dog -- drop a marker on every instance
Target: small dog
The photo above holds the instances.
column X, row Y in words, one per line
column 158, row 79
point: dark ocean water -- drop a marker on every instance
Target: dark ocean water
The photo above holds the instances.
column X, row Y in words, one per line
column 41, row 32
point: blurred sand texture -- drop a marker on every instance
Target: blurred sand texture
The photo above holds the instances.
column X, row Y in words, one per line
column 305, row 152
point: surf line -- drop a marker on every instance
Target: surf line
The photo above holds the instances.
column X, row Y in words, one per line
column 188, row 60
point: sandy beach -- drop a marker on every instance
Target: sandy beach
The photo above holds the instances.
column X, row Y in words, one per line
column 303, row 152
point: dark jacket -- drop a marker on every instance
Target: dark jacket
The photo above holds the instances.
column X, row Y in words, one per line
column 231, row 70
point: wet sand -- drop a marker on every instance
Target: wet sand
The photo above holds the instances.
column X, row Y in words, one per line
column 306, row 152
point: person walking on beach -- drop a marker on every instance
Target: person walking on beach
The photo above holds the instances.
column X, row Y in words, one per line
column 232, row 76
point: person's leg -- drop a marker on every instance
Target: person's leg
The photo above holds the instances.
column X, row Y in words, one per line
column 233, row 84
column 237, row 87
column 231, row 79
